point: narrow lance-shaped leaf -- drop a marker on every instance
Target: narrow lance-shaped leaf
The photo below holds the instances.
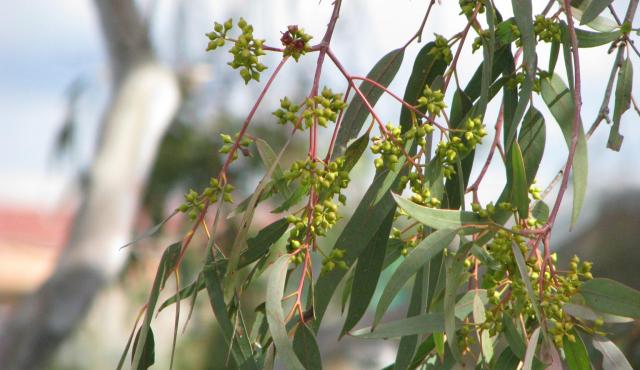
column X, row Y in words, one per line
column 622, row 103
column 612, row 356
column 455, row 277
column 167, row 263
column 419, row 293
column 306, row 347
column 507, row 360
column 588, row 39
column 441, row 218
column 522, row 268
column 238, row 345
column 148, row 357
column 479, row 317
column 356, row 234
column 422, row 324
column 258, row 245
column 519, row 188
column 610, row 296
column 425, row 70
column 151, row 231
column 488, row 51
column 383, row 73
column 524, row 20
column 423, row 252
column 531, row 139
column 575, row 352
column 275, row 315
column 367, row 274
column 240, row 239
column 558, row 98
column 531, row 350
column 594, row 9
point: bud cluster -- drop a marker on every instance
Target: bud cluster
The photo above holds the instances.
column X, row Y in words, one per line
column 295, row 42
column 441, row 49
column 432, row 100
column 388, row 146
column 467, row 6
column 194, row 202
column 460, row 144
column 228, row 144
column 547, row 29
column 245, row 51
column 324, row 108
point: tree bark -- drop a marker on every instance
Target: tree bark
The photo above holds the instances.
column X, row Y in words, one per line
column 144, row 101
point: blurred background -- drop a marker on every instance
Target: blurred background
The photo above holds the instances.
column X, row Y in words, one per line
column 111, row 111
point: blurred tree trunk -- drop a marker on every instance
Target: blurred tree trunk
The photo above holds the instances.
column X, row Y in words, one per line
column 145, row 97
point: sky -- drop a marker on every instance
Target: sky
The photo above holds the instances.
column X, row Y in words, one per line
column 47, row 45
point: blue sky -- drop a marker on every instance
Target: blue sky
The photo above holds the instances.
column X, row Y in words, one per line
column 46, row 45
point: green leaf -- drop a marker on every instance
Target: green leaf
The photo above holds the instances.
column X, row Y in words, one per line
column 622, row 103
column 391, row 175
column 424, row 72
column 354, row 117
column 454, row 278
column 293, row 199
column 558, row 98
column 612, row 357
column 585, row 313
column 306, row 347
column 540, row 211
column 423, row 324
column 238, row 345
column 500, row 63
column 408, row 343
column 422, row 253
column 566, row 53
column 524, row 20
column 532, row 139
column 588, row 39
column 553, row 56
column 148, row 357
column 166, row 266
column 441, row 218
column 531, row 350
column 467, row 303
column 259, row 245
column 507, row 360
column 461, row 108
column 423, row 350
column 356, row 234
column 231, row 277
column 151, row 231
column 600, row 23
column 367, row 274
column 275, row 315
column 575, row 353
column 519, row 188
column 488, row 51
column 522, row 268
column 486, row 342
column 594, row 9
column 184, row 292
column 609, row 296
column 355, row 151
column 514, row 337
